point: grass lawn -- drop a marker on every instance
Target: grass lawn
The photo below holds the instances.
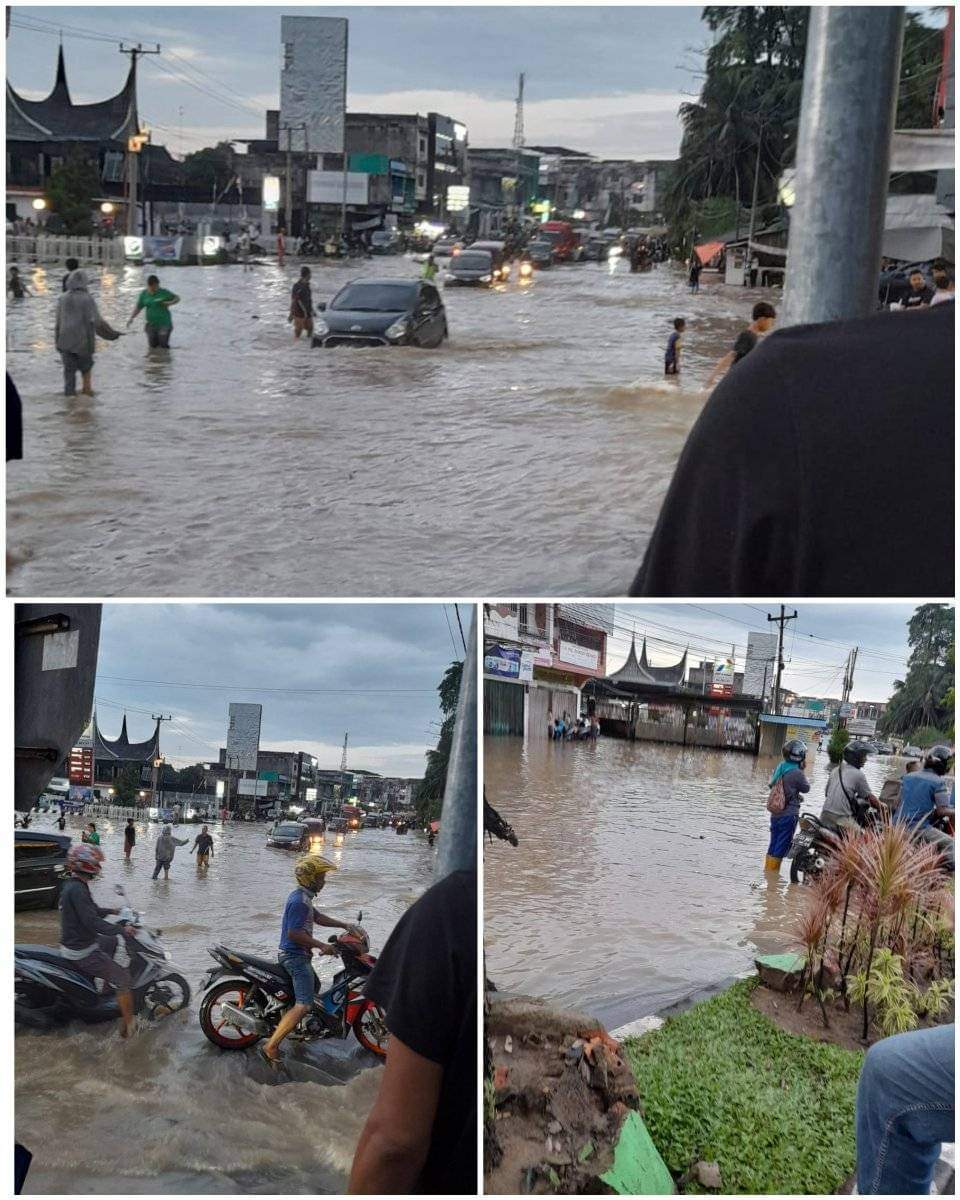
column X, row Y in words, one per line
column 722, row 1083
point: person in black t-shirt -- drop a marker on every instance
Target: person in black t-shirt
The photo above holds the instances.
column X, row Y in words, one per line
column 819, row 420
column 421, row 1135
column 764, row 315
column 919, row 295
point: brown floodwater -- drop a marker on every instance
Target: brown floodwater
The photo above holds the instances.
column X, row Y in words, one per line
column 545, row 422
column 639, row 874
column 167, row 1111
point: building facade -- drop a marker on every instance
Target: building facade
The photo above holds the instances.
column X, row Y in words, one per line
column 536, row 659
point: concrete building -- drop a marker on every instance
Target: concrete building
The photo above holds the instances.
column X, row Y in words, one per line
column 388, row 792
column 503, row 184
column 608, row 191
column 536, row 659
column 289, row 776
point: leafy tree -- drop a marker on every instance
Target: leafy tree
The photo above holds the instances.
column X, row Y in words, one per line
column 428, row 794
column 71, row 191
column 749, row 105
column 837, row 744
column 922, row 699
column 211, row 167
column 126, row 787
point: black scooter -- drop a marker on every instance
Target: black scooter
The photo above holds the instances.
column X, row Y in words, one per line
column 49, row 991
column 815, row 842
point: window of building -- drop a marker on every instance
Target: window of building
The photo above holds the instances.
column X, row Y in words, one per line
column 287, row 56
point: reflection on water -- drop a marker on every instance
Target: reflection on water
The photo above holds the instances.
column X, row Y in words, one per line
column 639, row 874
column 168, row 1112
column 371, row 463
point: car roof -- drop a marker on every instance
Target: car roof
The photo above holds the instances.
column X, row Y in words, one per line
column 389, row 281
column 486, row 245
column 29, row 835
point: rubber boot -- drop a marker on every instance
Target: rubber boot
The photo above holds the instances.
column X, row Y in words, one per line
column 772, row 864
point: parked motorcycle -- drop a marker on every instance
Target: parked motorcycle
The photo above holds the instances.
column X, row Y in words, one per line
column 49, row 990
column 815, row 842
column 244, row 998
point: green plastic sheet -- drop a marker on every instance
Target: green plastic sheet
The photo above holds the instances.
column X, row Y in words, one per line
column 638, row 1169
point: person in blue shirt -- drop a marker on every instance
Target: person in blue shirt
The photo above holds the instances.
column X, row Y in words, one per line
column 925, row 795
column 297, row 944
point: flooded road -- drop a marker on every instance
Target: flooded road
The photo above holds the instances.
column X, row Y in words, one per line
column 378, row 469
column 639, row 874
column 168, row 1111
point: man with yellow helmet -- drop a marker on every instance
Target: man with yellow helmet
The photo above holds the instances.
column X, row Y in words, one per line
column 297, row 944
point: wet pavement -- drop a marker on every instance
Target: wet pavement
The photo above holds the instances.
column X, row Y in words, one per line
column 639, row 875
column 168, row 1111
column 545, row 421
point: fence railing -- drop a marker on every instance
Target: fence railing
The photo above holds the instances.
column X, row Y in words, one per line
column 50, row 248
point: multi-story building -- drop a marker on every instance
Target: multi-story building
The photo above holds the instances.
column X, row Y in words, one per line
column 609, row 191
column 503, row 183
column 536, row 659
column 290, row 776
column 385, row 791
column 869, row 710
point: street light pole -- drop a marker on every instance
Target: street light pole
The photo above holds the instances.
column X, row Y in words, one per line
column 847, row 113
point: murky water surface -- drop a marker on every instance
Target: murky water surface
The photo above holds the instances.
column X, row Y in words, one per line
column 167, row 1111
column 639, row 874
column 240, row 463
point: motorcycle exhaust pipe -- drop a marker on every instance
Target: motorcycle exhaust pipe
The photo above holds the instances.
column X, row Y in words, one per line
column 246, row 1022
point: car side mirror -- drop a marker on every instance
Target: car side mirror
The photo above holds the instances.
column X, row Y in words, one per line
column 321, row 307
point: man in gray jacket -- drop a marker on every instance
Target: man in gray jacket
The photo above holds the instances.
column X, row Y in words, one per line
column 166, row 848
column 78, row 323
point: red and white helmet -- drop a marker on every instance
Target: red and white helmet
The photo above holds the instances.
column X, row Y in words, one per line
column 84, row 859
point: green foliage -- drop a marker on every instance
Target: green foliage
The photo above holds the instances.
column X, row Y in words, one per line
column 935, row 1001
column 211, row 167
column 922, row 698
column 428, row 794
column 837, row 743
column 919, row 71
column 71, row 190
column 127, row 787
column 892, row 996
column 721, row 1082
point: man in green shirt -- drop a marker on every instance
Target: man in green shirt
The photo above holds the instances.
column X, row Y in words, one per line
column 156, row 303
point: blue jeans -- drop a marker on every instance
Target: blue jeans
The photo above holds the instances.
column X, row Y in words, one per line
column 781, row 833
column 301, row 974
column 905, row 1109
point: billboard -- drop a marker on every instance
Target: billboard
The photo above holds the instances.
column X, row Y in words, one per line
column 723, row 675
column 326, row 187
column 271, row 193
column 313, row 84
column 761, row 665
column 503, row 661
column 862, row 727
column 243, row 736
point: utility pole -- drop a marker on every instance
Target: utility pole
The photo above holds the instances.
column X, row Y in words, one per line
column 847, row 684
column 288, row 181
column 781, row 621
column 158, row 761
column 134, row 143
column 518, row 135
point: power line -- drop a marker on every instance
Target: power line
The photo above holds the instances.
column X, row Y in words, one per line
column 453, row 640
column 456, row 609
column 244, row 687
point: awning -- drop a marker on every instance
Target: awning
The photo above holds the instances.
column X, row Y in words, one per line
column 922, row 150
column 708, row 251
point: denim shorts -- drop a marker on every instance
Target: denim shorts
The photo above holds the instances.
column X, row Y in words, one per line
column 300, row 970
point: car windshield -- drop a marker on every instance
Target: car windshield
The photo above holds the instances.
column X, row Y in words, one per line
column 473, row 260
column 289, row 830
column 376, row 297
column 541, row 246
column 381, row 236
column 548, row 235
column 444, row 247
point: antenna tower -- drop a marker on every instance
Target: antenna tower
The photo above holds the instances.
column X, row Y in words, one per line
column 343, row 756
column 518, row 123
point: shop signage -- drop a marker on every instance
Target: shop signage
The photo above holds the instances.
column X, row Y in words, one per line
column 503, row 661
column 578, row 656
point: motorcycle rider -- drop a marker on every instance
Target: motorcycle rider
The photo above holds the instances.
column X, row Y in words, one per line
column 924, row 795
column 795, row 782
column 85, row 937
column 297, row 942
column 848, row 791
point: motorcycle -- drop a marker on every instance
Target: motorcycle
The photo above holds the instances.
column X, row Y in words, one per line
column 50, row 991
column 815, row 841
column 245, row 997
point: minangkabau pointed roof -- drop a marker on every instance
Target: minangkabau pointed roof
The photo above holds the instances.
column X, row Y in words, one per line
column 57, row 118
column 122, row 749
column 674, row 676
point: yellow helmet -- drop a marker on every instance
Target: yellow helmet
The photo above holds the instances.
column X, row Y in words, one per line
column 311, row 869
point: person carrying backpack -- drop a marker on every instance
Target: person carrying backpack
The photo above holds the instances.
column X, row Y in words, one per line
column 787, row 784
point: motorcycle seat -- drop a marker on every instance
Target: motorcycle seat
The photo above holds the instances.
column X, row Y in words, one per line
column 265, row 964
column 43, row 953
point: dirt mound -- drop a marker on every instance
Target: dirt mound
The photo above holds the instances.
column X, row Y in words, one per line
column 557, row 1095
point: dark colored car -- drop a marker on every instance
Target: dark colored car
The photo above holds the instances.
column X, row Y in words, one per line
column 385, row 241
column 540, row 253
column 288, row 835
column 476, row 268
column 39, row 865
column 383, row 312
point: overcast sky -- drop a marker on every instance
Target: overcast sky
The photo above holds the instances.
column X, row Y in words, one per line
column 605, row 80
column 816, row 644
column 391, row 657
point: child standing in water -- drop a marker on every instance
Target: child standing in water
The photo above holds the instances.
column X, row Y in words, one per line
column 671, row 362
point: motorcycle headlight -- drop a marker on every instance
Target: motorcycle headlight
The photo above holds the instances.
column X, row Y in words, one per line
column 398, row 329
column 526, row 269
column 614, row 252
column 320, row 326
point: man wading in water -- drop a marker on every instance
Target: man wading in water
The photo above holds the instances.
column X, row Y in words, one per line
column 157, row 302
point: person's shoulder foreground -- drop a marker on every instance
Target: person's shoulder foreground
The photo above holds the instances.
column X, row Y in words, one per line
column 822, row 465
